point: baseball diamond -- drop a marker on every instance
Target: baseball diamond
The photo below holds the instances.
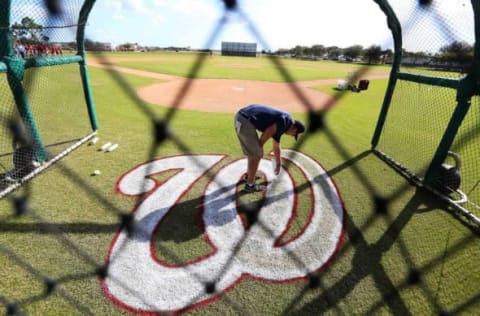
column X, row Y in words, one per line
column 225, row 95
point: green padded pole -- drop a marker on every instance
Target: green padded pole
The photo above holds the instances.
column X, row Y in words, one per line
column 82, row 20
column 468, row 87
column 15, row 73
column 6, row 47
column 394, row 26
column 476, row 52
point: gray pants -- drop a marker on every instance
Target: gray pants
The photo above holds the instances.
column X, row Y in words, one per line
column 248, row 137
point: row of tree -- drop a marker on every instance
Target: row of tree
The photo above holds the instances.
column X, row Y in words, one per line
column 456, row 52
column 30, row 32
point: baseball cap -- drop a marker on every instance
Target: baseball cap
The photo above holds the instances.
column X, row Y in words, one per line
column 300, row 128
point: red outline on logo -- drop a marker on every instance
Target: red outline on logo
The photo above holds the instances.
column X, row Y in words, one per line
column 243, row 276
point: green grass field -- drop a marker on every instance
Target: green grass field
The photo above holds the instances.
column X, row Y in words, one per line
column 410, row 256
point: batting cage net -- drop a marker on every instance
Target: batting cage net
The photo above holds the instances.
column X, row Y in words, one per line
column 374, row 210
column 44, row 86
column 433, row 90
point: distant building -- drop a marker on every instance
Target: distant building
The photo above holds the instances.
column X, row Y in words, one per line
column 239, row 49
column 110, row 47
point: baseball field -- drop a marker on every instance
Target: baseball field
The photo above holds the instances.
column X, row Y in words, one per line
column 164, row 227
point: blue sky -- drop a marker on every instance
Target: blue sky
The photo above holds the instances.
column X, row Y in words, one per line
column 281, row 23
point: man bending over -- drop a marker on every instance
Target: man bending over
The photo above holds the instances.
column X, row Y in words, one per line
column 272, row 123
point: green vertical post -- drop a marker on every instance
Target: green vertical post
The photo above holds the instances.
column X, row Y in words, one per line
column 394, row 26
column 82, row 20
column 15, row 73
column 6, row 47
column 464, row 94
column 468, row 87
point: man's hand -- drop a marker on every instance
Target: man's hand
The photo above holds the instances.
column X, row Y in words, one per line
column 278, row 158
column 276, row 166
column 268, row 133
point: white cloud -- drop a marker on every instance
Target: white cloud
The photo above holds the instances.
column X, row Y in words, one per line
column 137, row 6
column 283, row 24
column 119, row 17
column 131, row 9
column 115, row 5
column 205, row 8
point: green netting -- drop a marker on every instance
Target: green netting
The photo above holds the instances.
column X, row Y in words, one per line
column 415, row 124
column 44, row 83
column 467, row 146
column 428, row 30
column 7, row 113
column 55, row 29
column 56, row 97
column 434, row 76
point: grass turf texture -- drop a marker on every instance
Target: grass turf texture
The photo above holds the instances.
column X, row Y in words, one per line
column 231, row 67
column 414, row 258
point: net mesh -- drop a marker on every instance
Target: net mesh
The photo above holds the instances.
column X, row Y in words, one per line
column 467, row 147
column 417, row 105
column 8, row 113
column 50, row 28
column 426, row 29
column 44, row 95
column 68, row 105
column 434, row 56
column 401, row 253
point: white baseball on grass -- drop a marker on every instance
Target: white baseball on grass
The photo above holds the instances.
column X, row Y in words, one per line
column 105, row 146
column 94, row 141
column 113, row 147
column 96, row 172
